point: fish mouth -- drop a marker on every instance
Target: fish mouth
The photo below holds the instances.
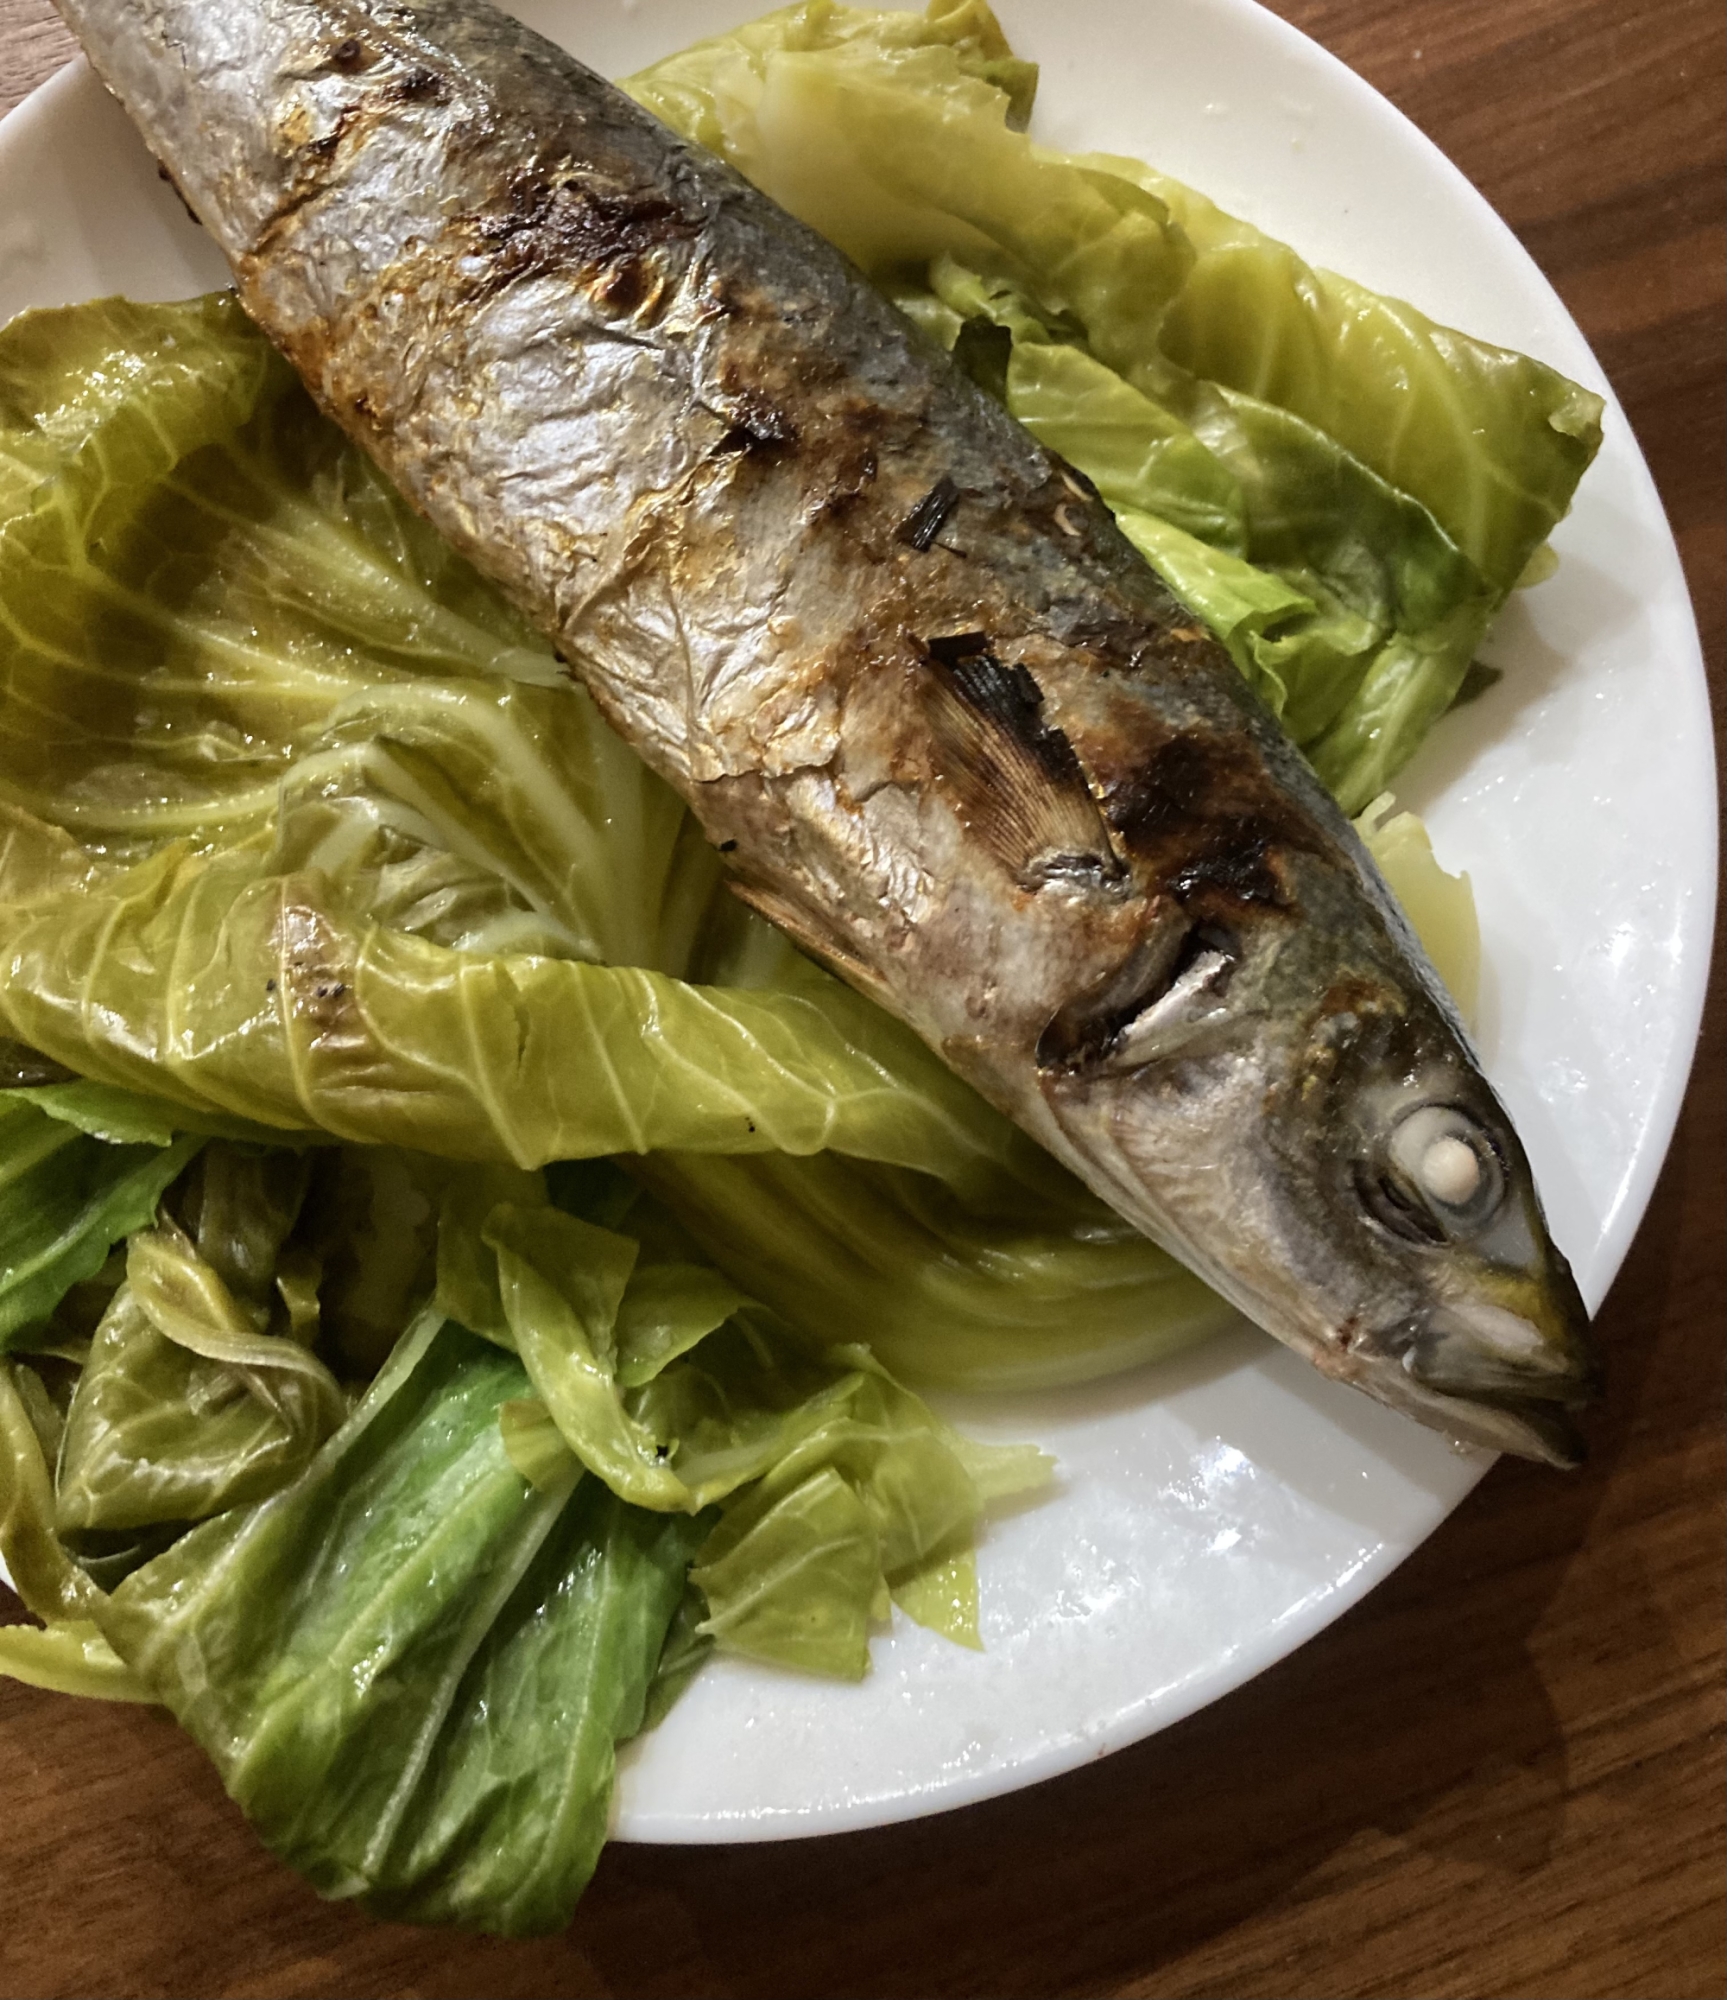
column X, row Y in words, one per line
column 1511, row 1376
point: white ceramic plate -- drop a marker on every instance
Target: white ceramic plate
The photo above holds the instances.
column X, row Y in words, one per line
column 1215, row 1512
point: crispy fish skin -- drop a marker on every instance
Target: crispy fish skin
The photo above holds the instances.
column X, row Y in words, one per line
column 949, row 728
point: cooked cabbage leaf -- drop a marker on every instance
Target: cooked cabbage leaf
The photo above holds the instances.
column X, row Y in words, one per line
column 69, row 1656
column 49, row 1583
column 793, row 1577
column 561, row 1282
column 687, row 89
column 232, row 989
column 1016, row 1288
column 410, row 1667
column 208, row 572
column 838, row 1487
column 629, row 1363
column 65, row 1200
column 846, row 1492
column 187, row 1405
column 1441, row 906
column 1490, row 442
column 63, row 376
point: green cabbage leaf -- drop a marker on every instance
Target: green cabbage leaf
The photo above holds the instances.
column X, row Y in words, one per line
column 65, row 1200
column 69, row 1656
column 1016, row 1287
column 840, row 1490
column 411, row 1667
column 67, row 1653
column 188, row 1404
column 412, row 1663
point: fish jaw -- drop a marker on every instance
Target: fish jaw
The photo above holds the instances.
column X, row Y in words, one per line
column 1495, row 1376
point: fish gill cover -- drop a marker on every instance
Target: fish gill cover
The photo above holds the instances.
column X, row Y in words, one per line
column 360, row 1405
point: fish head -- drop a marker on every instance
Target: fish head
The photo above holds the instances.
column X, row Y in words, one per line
column 1472, row 1320
column 1298, row 1114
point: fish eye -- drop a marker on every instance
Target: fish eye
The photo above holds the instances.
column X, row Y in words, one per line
column 1441, row 1177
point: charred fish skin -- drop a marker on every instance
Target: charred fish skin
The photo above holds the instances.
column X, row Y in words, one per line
column 951, row 730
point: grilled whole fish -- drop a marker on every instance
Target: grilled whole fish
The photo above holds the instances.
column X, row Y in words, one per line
column 950, row 729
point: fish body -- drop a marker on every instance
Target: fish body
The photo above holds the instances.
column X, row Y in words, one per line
column 950, row 730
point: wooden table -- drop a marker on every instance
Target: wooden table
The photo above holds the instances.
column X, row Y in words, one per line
column 1503, row 1773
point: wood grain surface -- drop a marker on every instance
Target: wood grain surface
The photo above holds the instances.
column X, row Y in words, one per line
column 1503, row 1773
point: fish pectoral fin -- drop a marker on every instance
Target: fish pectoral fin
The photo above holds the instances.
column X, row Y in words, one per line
column 1013, row 777
column 819, row 943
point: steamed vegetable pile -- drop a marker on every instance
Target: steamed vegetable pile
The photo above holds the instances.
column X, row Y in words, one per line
column 458, row 1267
